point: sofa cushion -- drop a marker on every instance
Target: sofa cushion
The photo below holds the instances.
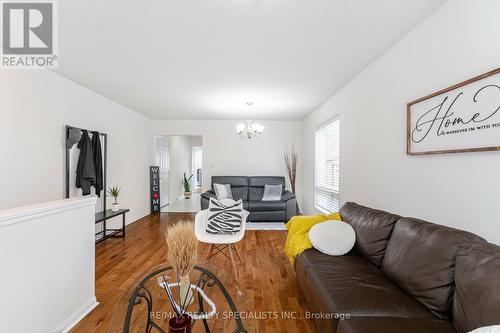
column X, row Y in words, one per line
column 239, row 185
column 350, row 285
column 224, row 216
column 257, row 183
column 476, row 302
column 272, row 192
column 223, row 191
column 269, row 216
column 264, row 206
column 239, row 192
column 255, row 193
column 334, row 238
column 373, row 228
column 261, row 181
column 420, row 258
column 231, row 180
column 394, row 325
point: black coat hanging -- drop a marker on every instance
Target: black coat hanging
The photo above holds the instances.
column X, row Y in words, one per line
column 97, row 159
column 85, row 172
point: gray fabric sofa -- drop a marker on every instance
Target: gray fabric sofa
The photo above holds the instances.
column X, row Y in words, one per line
column 251, row 190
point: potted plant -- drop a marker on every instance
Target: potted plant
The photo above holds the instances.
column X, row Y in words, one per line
column 186, row 182
column 114, row 191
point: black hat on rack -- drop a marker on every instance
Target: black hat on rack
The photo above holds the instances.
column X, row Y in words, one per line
column 74, row 136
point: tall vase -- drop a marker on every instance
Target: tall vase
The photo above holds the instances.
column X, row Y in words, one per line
column 180, row 324
column 186, row 293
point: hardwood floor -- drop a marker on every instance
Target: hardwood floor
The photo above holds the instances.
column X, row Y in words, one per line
column 267, row 278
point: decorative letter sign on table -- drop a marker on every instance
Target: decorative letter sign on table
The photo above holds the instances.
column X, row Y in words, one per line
column 462, row 118
column 154, row 174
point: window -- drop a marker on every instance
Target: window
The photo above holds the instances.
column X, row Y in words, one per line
column 327, row 166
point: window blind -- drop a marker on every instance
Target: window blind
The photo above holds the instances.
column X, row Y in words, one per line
column 327, row 167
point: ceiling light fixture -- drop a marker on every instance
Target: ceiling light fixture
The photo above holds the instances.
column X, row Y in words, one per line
column 249, row 130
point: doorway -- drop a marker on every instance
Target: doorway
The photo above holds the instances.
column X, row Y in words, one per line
column 177, row 155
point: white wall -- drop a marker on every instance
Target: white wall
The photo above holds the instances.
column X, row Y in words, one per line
column 36, row 105
column 196, row 141
column 47, row 253
column 459, row 41
column 224, row 153
column 34, row 108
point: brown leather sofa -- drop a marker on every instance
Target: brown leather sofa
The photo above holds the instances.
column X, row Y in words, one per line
column 403, row 275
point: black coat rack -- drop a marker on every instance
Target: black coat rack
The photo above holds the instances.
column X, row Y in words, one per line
column 100, row 217
column 104, row 163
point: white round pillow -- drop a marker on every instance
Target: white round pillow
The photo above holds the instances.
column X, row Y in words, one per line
column 487, row 329
column 335, row 238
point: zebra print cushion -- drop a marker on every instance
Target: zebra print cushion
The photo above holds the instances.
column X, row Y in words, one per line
column 224, row 218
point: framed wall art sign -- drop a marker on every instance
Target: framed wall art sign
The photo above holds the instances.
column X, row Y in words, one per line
column 154, row 180
column 462, row 118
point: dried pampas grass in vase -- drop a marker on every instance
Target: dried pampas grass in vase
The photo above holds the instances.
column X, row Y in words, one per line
column 291, row 162
column 182, row 255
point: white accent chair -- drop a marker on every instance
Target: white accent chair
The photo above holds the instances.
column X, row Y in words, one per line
column 219, row 242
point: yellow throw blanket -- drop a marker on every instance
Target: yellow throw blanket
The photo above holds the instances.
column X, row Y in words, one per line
column 298, row 227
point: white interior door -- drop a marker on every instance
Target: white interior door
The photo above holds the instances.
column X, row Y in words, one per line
column 163, row 161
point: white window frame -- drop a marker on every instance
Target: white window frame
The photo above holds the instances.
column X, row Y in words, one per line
column 334, row 193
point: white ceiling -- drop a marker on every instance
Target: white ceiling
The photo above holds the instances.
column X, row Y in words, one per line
column 204, row 59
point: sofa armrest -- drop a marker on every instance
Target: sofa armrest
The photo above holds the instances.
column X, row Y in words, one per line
column 205, row 199
column 208, row 194
column 291, row 204
column 287, row 195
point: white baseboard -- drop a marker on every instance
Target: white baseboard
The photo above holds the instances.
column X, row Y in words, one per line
column 78, row 315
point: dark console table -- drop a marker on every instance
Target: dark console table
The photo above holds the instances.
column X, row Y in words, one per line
column 105, row 233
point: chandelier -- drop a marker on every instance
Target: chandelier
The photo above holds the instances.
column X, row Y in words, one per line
column 249, row 130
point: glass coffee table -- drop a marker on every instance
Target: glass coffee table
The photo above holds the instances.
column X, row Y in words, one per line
column 146, row 307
